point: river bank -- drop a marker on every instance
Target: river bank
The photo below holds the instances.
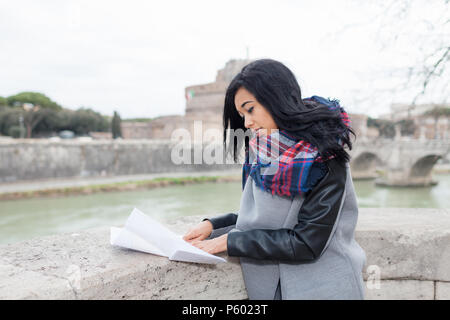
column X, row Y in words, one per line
column 77, row 186
column 69, row 187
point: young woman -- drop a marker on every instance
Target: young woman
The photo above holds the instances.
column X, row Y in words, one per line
column 294, row 232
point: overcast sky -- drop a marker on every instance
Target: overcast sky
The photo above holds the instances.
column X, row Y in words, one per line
column 137, row 57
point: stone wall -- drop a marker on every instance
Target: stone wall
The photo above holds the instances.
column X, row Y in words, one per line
column 29, row 159
column 408, row 257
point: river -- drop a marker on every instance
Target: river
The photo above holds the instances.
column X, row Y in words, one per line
column 28, row 218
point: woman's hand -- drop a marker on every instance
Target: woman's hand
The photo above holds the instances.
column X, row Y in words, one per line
column 199, row 232
column 212, row 246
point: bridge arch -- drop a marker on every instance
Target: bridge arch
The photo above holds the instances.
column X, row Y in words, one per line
column 423, row 166
column 364, row 165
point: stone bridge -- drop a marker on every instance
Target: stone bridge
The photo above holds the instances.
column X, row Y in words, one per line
column 397, row 162
column 404, row 162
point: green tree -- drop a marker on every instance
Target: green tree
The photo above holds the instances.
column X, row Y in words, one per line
column 41, row 116
column 85, row 120
column 385, row 127
column 115, row 126
column 32, row 117
column 52, row 123
column 9, row 117
column 81, row 122
column 35, row 98
column 3, row 102
column 34, row 107
column 16, row 132
column 407, row 127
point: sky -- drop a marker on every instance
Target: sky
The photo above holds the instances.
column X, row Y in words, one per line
column 137, row 57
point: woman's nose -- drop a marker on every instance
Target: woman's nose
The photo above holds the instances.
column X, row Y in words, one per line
column 248, row 122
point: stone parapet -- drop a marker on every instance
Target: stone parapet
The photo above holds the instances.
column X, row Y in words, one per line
column 408, row 257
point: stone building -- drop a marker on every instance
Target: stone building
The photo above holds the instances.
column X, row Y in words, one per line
column 204, row 106
column 203, row 112
column 359, row 124
column 426, row 126
column 400, row 111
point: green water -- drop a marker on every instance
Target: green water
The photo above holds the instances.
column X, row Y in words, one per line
column 25, row 219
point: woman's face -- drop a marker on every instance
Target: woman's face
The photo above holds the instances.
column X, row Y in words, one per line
column 255, row 115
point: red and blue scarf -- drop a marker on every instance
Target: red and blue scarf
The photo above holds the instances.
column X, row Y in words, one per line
column 283, row 165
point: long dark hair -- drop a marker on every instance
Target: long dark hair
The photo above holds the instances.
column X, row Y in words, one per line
column 277, row 89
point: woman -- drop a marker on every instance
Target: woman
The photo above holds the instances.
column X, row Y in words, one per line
column 294, row 232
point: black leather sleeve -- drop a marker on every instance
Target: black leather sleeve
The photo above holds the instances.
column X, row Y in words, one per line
column 222, row 221
column 307, row 240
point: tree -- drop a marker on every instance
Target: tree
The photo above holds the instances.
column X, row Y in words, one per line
column 32, row 116
column 418, row 31
column 39, row 114
column 3, row 101
column 34, row 107
column 407, row 127
column 35, row 98
column 385, row 127
column 9, row 117
column 84, row 120
column 53, row 122
column 115, row 126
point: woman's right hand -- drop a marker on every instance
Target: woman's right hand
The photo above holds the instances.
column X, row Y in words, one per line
column 199, row 232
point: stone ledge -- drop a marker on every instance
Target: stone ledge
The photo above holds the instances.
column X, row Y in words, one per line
column 407, row 245
column 86, row 266
column 401, row 290
column 442, row 290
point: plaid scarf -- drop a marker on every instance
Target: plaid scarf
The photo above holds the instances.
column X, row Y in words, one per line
column 283, row 165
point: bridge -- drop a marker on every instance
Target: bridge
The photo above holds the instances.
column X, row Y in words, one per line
column 397, row 162
column 402, row 162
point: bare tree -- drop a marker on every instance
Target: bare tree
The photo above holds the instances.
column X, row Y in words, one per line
column 397, row 23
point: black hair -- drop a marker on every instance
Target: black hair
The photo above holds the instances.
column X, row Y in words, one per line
column 276, row 88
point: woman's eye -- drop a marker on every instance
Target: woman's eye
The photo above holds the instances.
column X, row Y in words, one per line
column 250, row 110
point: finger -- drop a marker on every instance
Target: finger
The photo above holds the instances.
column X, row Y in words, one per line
column 187, row 235
column 203, row 245
column 193, row 239
column 190, row 235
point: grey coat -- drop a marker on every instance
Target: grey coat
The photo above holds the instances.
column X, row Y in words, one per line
column 336, row 274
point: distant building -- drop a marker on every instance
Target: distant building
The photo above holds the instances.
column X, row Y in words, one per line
column 426, row 126
column 204, row 102
column 401, row 111
column 359, row 124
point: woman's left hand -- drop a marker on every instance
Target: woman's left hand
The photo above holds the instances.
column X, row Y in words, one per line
column 212, row 246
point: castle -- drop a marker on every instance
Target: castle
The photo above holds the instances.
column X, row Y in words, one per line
column 204, row 102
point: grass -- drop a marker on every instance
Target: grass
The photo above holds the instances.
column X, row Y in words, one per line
column 117, row 186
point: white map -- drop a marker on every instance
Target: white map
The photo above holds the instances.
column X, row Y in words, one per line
column 145, row 234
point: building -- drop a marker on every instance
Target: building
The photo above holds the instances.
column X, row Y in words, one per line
column 204, row 109
column 401, row 111
column 426, row 126
column 204, row 106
